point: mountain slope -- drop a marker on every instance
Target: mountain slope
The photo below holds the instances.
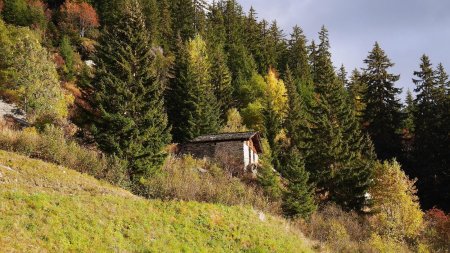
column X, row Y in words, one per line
column 44, row 207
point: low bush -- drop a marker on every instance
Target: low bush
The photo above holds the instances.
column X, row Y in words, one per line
column 52, row 146
column 437, row 231
column 188, row 179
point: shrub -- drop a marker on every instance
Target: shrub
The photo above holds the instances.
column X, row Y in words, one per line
column 188, row 179
column 340, row 231
column 437, row 232
column 51, row 145
column 397, row 211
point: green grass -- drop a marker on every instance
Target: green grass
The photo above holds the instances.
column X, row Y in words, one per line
column 48, row 208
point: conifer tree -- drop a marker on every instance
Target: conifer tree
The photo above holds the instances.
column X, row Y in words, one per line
column 298, row 199
column 382, row 116
column 165, row 26
column 297, row 57
column 221, row 79
column 199, row 111
column 297, row 124
column 356, row 89
column 129, row 95
column 431, row 136
column 183, row 15
column 312, row 60
column 338, row 161
column 342, row 76
column 324, row 70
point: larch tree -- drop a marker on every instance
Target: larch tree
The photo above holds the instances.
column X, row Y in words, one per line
column 382, row 116
column 80, row 17
column 128, row 90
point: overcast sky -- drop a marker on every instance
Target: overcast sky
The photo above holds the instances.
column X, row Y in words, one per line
column 405, row 29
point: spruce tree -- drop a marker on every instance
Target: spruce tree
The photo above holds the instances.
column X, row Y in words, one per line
column 342, row 76
column 356, row 89
column 128, row 93
column 199, row 111
column 221, row 79
column 324, row 70
column 431, row 136
column 297, row 123
column 297, row 57
column 382, row 116
column 298, row 199
column 312, row 60
column 338, row 161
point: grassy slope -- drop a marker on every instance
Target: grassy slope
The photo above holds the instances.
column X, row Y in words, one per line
column 44, row 207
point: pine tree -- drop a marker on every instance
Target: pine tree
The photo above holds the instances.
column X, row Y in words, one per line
column 298, row 200
column 382, row 116
column 129, row 95
column 297, row 57
column 199, row 111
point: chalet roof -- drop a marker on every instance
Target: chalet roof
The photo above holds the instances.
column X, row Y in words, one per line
column 222, row 137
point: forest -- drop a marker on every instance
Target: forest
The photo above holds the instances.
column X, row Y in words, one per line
column 127, row 78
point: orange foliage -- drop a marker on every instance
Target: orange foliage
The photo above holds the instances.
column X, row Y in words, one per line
column 79, row 16
column 1, row 5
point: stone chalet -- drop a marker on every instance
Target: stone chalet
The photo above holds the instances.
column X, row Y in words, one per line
column 236, row 151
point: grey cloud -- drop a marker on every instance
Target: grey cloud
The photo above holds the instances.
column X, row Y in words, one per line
column 405, row 29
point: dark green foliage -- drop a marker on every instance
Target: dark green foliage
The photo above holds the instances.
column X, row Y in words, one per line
column 297, row 56
column 342, row 76
column 129, row 94
column 193, row 105
column 298, row 199
column 431, row 139
column 67, row 53
column 356, row 89
column 338, row 162
column 382, row 116
column 322, row 65
column 221, row 79
column 24, row 13
column 297, row 121
column 183, row 19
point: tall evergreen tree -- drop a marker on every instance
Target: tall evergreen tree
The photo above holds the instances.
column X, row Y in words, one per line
column 431, row 137
column 129, row 95
column 338, row 162
column 324, row 70
column 342, row 76
column 297, row 123
column 356, row 89
column 298, row 199
column 297, row 57
column 382, row 116
column 197, row 106
column 313, row 60
column 221, row 79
